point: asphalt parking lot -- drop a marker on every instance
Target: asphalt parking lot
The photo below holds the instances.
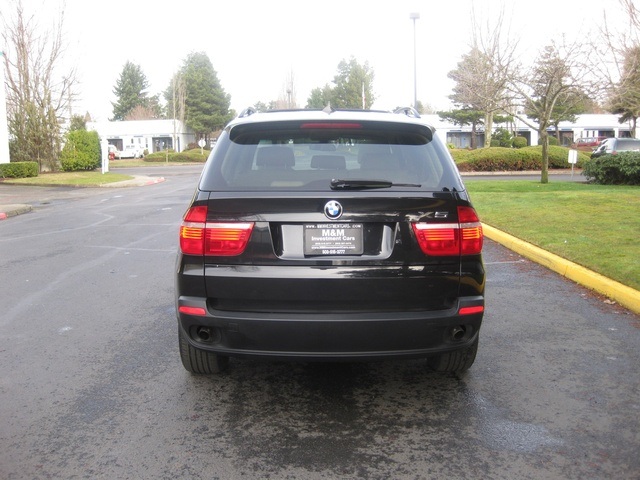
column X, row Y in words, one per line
column 92, row 384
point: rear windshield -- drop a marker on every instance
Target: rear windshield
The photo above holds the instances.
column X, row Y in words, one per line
column 308, row 156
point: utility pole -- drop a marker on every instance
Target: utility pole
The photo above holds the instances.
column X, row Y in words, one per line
column 415, row 16
column 4, row 131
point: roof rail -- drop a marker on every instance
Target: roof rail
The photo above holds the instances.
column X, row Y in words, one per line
column 247, row 111
column 408, row 111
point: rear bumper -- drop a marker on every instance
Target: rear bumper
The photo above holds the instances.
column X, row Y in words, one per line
column 331, row 336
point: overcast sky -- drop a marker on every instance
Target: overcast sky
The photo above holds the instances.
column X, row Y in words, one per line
column 255, row 45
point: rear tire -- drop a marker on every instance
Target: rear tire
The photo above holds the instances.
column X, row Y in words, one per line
column 198, row 361
column 458, row 361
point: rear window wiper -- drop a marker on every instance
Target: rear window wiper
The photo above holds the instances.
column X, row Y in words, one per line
column 366, row 184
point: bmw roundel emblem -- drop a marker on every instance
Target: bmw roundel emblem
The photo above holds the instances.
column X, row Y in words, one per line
column 333, row 210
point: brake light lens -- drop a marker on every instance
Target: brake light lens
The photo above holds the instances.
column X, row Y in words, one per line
column 226, row 238
column 197, row 237
column 448, row 239
column 471, row 231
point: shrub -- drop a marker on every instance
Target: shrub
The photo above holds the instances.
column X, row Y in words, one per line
column 519, row 142
column 620, row 169
column 81, row 151
column 188, row 156
column 19, row 169
column 503, row 136
column 498, row 159
column 552, row 140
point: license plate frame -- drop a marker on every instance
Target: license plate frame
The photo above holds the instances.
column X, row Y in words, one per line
column 333, row 239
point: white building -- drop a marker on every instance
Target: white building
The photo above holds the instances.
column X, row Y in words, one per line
column 158, row 135
column 150, row 135
column 586, row 125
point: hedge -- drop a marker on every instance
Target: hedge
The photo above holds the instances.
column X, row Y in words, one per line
column 188, row 156
column 620, row 169
column 498, row 159
column 19, row 169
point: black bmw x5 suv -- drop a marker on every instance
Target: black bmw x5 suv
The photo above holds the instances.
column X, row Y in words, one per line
column 329, row 235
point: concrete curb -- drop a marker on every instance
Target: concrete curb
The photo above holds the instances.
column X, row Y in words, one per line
column 625, row 296
column 7, row 211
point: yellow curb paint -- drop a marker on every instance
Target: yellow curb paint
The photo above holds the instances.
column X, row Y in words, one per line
column 625, row 296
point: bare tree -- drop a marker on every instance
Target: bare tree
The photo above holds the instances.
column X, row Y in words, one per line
column 141, row 112
column 38, row 95
column 178, row 99
column 625, row 95
column 619, row 64
column 559, row 78
column 482, row 75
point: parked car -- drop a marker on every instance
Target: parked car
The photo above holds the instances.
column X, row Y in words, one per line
column 587, row 144
column 611, row 146
column 342, row 235
column 131, row 151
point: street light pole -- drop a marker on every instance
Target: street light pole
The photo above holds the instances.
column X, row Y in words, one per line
column 415, row 16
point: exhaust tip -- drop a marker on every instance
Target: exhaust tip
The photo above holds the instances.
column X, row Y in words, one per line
column 207, row 335
column 458, row 333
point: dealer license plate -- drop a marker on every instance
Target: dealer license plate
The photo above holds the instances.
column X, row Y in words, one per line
column 333, row 239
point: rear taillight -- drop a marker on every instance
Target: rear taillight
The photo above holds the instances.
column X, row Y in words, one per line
column 471, row 231
column 198, row 237
column 445, row 239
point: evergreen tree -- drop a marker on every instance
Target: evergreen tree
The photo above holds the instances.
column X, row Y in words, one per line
column 130, row 91
column 320, row 97
column 77, row 122
column 353, row 88
column 206, row 102
column 81, row 151
column 354, row 84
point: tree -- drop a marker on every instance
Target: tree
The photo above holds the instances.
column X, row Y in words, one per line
column 353, row 88
column 482, row 74
column 567, row 108
column 353, row 85
column 320, row 97
column 38, row 93
column 618, row 63
column 205, row 101
column 149, row 111
column 77, row 122
column 130, row 91
column 465, row 116
column 625, row 98
column 551, row 88
column 425, row 108
column 81, row 151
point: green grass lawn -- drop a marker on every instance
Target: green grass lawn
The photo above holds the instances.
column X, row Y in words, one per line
column 596, row 226
column 71, row 178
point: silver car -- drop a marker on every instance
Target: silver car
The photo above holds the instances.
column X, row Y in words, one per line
column 612, row 146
